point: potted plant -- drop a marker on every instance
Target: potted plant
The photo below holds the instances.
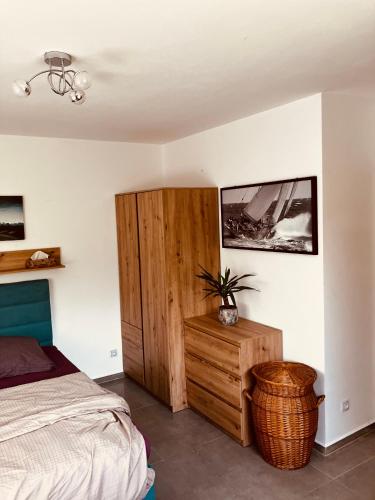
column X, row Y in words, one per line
column 224, row 286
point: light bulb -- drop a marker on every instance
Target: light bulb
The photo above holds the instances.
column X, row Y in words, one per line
column 82, row 80
column 21, row 88
column 77, row 96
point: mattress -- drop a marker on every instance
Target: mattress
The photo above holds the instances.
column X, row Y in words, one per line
column 62, row 367
column 75, row 442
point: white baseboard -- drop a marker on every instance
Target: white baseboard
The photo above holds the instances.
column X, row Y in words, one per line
column 345, row 439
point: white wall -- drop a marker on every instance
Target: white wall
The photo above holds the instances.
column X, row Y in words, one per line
column 349, row 262
column 325, row 309
column 68, row 188
column 284, row 142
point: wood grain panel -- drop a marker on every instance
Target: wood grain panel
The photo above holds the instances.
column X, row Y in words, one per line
column 259, row 350
column 222, row 384
column 132, row 334
column 132, row 355
column 191, row 230
column 133, row 369
column 164, row 235
column 222, row 414
column 246, row 423
column 153, row 275
column 240, row 346
column 132, row 351
column 14, row 261
column 128, row 257
column 236, row 334
column 222, row 354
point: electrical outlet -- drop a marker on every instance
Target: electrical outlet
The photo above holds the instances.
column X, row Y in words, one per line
column 113, row 353
column 345, row 405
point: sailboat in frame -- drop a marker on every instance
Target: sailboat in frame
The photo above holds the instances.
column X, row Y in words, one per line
column 280, row 216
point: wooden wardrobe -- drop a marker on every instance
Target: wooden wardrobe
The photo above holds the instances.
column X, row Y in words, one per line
column 163, row 236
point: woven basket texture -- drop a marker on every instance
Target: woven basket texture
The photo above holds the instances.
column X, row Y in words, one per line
column 51, row 261
column 285, row 454
column 284, row 378
column 285, row 412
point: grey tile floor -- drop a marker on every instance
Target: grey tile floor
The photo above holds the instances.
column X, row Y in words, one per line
column 195, row 460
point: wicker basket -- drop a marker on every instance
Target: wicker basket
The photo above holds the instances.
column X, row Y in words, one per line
column 285, row 412
column 50, row 262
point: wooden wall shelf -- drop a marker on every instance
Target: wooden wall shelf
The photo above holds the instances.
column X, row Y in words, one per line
column 15, row 260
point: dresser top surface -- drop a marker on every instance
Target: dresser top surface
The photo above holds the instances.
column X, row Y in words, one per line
column 242, row 331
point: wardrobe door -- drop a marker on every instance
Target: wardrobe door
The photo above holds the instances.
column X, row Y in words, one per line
column 130, row 286
column 153, row 276
column 191, row 239
column 128, row 252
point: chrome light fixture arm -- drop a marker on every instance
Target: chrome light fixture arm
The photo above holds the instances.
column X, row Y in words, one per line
column 61, row 81
column 62, row 78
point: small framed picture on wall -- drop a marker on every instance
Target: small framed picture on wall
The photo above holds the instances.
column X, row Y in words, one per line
column 12, row 225
column 278, row 216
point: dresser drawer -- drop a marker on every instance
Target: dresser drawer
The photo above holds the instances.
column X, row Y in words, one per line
column 133, row 360
column 220, row 353
column 132, row 334
column 222, row 414
column 221, row 383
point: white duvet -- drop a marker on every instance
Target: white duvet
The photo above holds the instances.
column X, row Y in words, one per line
column 69, row 439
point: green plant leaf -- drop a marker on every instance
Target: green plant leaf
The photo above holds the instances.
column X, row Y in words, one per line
column 233, row 299
column 224, row 285
column 243, row 287
column 238, row 278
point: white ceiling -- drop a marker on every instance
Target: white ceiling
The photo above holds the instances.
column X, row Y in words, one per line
column 164, row 69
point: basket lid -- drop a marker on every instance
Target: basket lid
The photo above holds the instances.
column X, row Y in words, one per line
column 285, row 373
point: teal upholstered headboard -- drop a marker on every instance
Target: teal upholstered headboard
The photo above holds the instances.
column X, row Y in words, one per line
column 25, row 310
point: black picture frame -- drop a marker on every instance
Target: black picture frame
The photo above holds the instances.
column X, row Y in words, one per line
column 12, row 221
column 276, row 216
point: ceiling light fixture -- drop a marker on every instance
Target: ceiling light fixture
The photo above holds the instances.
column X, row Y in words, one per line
column 60, row 80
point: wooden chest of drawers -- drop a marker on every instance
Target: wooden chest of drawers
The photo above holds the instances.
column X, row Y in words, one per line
column 218, row 360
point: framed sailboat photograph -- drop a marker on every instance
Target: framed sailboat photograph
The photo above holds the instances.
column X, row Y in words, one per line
column 278, row 216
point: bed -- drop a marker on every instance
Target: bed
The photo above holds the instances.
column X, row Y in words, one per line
column 62, row 436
